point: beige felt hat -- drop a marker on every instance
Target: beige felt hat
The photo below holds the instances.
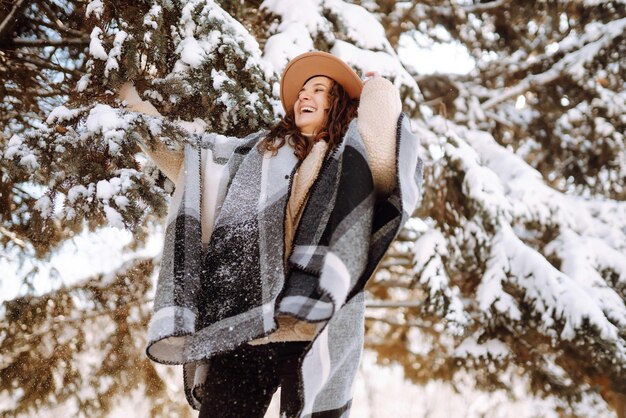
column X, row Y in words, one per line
column 311, row 64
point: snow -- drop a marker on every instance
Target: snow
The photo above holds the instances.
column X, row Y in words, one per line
column 595, row 38
column 17, row 147
column 121, row 201
column 115, row 53
column 383, row 63
column 44, row 206
column 582, row 260
column 421, row 55
column 480, row 183
column 104, row 118
column 197, row 40
column 532, row 200
column 219, row 78
column 150, row 19
column 95, row 7
column 62, row 114
column 14, row 142
column 555, row 294
column 153, row 94
column 96, row 49
column 113, row 192
column 304, row 13
column 29, row 161
column 287, row 44
column 429, row 251
column 84, row 255
column 506, row 196
column 113, row 217
column 106, row 189
column 361, row 26
column 83, row 82
column 470, row 347
column 490, row 292
column 191, row 53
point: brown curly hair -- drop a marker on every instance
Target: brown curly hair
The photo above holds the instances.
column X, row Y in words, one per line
column 342, row 110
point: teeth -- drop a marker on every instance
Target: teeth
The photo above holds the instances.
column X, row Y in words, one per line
column 307, row 109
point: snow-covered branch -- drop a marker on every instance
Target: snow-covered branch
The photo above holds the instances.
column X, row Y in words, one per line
column 572, row 64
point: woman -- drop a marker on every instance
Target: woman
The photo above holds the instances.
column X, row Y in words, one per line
column 271, row 238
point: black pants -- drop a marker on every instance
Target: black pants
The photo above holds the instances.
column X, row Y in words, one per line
column 242, row 382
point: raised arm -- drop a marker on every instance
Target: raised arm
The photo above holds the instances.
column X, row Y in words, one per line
column 379, row 109
column 167, row 160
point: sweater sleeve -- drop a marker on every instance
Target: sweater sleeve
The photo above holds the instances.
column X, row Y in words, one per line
column 167, row 160
column 379, row 109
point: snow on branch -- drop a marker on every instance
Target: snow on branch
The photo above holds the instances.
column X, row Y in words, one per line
column 353, row 33
column 415, row 10
column 554, row 295
column 583, row 260
column 196, row 40
column 532, row 200
column 95, row 7
column 572, row 63
column 123, row 195
column 299, row 23
column 508, row 195
column 470, row 347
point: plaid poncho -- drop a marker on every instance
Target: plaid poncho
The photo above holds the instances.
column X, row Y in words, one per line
column 223, row 278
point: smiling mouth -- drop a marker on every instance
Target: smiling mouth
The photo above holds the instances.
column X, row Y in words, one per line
column 307, row 109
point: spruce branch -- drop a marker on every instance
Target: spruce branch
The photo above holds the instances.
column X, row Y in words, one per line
column 50, row 42
column 39, row 92
column 12, row 18
column 396, row 323
column 52, row 15
column 13, row 237
column 60, row 29
column 50, row 65
column 394, row 304
column 568, row 64
column 485, row 7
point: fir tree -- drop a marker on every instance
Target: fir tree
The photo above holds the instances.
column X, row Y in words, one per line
column 513, row 269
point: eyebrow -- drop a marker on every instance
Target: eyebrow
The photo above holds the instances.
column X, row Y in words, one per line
column 315, row 85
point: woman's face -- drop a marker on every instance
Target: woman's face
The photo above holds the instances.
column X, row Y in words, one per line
column 312, row 104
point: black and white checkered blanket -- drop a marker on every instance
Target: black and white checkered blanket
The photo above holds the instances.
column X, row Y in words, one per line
column 223, row 277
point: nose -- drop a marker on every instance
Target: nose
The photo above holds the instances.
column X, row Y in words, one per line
column 304, row 96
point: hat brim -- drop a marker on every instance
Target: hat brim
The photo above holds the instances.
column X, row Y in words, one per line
column 311, row 64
